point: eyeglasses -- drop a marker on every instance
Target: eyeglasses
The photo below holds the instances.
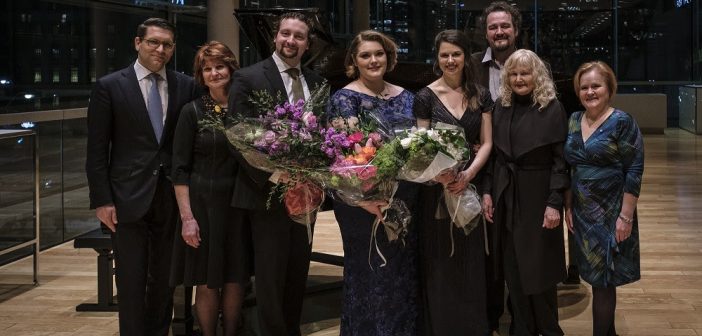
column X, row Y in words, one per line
column 156, row 43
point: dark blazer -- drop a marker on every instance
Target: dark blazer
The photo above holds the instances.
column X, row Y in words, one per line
column 483, row 69
column 124, row 158
column 252, row 186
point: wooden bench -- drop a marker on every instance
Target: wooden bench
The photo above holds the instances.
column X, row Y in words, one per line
column 102, row 243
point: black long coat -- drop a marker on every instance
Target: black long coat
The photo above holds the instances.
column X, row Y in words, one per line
column 528, row 173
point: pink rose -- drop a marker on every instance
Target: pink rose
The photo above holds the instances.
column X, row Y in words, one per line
column 356, row 137
column 377, row 140
column 367, row 172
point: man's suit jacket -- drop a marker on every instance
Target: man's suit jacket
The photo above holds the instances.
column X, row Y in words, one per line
column 124, row 158
column 252, row 186
column 483, row 69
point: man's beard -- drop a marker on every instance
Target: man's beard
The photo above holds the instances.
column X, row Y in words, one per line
column 292, row 54
column 502, row 46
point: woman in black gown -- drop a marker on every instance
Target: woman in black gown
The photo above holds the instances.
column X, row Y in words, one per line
column 212, row 253
column 454, row 286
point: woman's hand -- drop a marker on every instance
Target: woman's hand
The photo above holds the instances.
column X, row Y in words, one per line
column 552, row 218
column 623, row 231
column 569, row 218
column 374, row 207
column 461, row 182
column 191, row 232
column 445, row 177
column 488, row 209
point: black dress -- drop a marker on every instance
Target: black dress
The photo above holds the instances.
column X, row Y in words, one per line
column 203, row 161
column 453, row 286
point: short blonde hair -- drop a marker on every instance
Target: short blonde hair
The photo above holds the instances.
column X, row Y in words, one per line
column 388, row 45
column 603, row 69
column 544, row 90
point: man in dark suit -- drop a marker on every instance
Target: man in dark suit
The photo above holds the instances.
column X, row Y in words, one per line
column 281, row 247
column 501, row 22
column 131, row 119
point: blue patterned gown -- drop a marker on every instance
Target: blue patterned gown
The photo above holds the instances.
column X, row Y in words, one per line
column 603, row 168
column 377, row 300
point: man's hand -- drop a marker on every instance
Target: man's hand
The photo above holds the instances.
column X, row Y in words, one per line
column 107, row 214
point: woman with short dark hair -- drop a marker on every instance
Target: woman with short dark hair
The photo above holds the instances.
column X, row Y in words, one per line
column 212, row 252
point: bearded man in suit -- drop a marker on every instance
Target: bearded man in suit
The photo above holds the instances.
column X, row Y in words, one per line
column 281, row 246
column 131, row 120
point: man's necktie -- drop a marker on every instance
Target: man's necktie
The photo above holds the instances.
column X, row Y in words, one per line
column 297, row 91
column 154, row 106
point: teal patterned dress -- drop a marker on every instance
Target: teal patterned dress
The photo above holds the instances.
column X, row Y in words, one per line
column 603, row 168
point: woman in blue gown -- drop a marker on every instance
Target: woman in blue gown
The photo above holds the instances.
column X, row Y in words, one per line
column 377, row 300
column 605, row 151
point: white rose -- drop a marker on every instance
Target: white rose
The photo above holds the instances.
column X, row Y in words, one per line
column 405, row 143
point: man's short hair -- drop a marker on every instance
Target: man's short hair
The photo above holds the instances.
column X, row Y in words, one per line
column 502, row 6
column 154, row 22
column 295, row 16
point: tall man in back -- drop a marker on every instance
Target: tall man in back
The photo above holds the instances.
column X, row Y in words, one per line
column 281, row 247
column 501, row 22
column 131, row 119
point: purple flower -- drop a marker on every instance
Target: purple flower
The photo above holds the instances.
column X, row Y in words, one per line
column 269, row 137
column 309, row 119
column 278, row 148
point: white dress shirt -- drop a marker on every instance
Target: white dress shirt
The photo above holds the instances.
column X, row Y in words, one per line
column 287, row 80
column 145, row 85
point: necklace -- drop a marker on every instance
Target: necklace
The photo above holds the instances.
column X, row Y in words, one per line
column 212, row 105
column 379, row 94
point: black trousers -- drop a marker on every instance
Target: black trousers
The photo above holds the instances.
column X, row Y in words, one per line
column 281, row 262
column 533, row 314
column 143, row 258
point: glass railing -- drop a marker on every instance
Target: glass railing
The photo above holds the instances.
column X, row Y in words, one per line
column 61, row 137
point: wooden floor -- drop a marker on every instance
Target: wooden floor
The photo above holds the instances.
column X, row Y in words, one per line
column 667, row 301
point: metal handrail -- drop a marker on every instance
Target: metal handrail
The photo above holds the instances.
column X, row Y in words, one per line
column 9, row 134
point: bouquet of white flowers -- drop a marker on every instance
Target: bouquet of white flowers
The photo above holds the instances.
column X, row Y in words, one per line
column 424, row 154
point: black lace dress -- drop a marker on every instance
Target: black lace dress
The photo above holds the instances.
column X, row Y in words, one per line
column 203, row 161
column 453, row 286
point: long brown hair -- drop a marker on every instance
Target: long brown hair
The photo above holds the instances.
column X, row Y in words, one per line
column 471, row 89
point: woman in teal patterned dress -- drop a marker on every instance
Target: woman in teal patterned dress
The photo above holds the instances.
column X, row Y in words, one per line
column 605, row 151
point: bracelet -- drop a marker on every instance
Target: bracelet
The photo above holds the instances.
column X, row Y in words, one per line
column 187, row 219
column 625, row 219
